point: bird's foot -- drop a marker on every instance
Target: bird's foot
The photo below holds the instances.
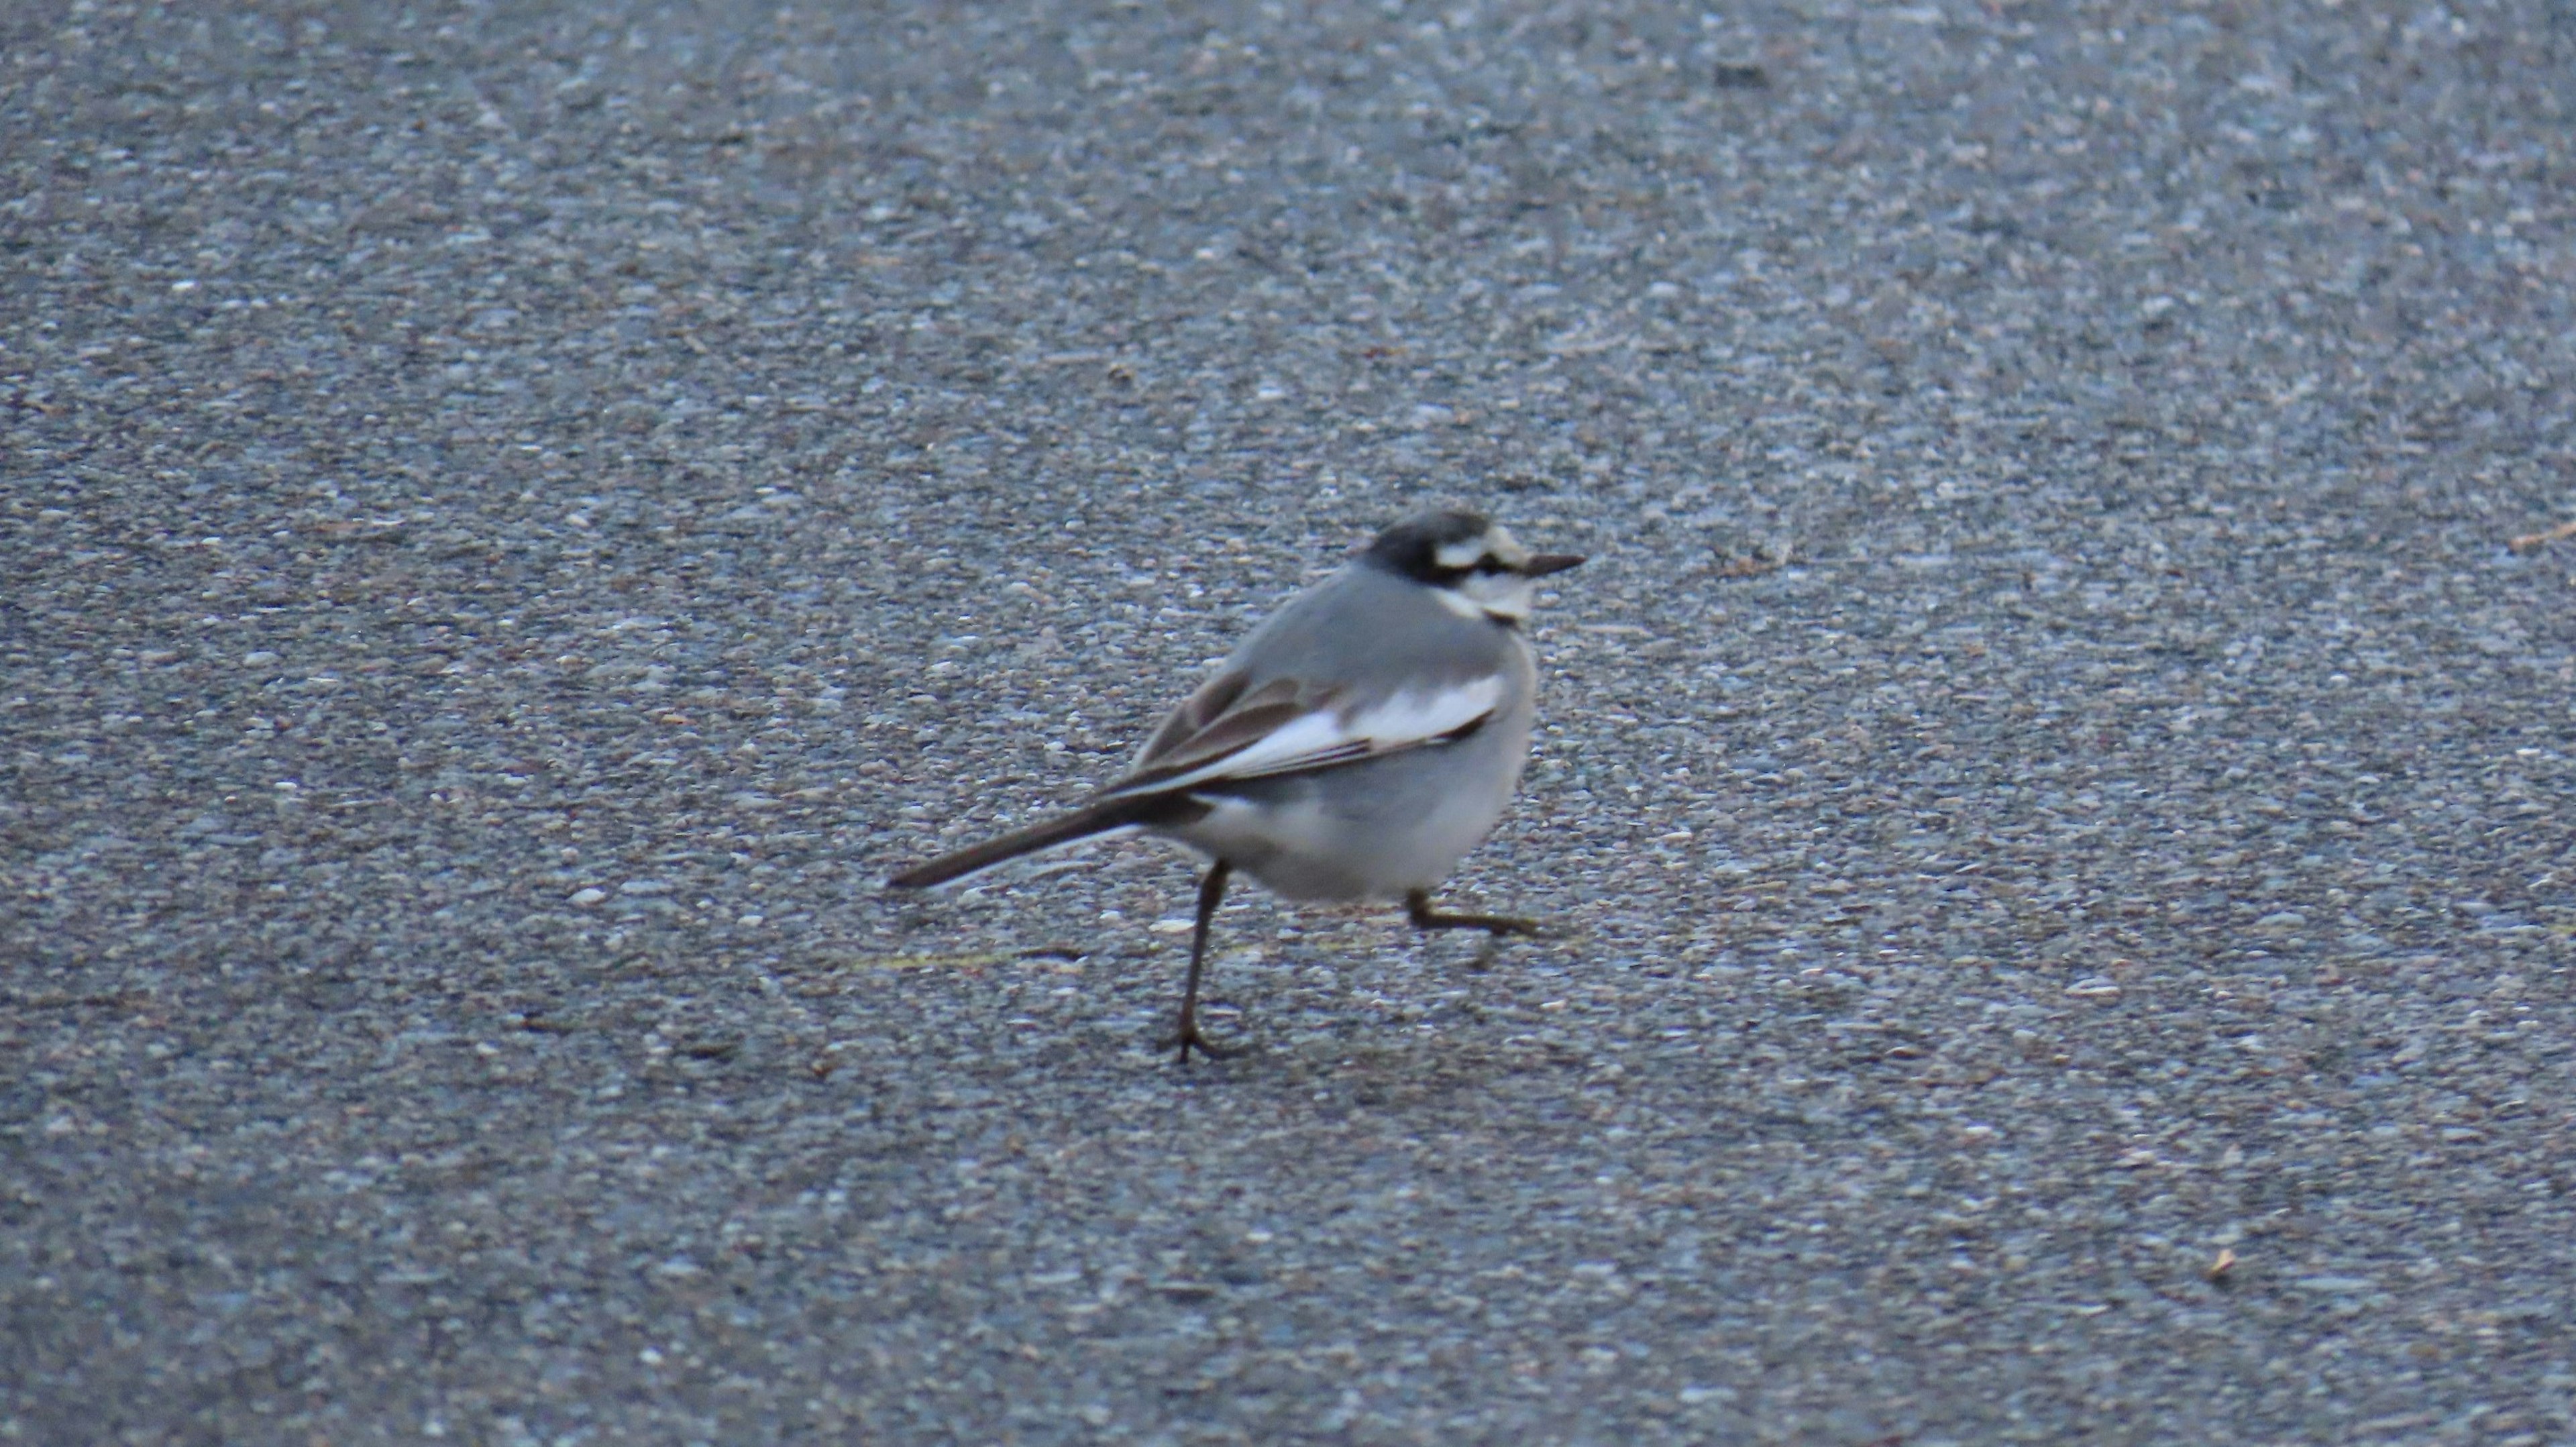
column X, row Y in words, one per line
column 1189, row 1035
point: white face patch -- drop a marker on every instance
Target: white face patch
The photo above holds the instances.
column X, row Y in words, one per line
column 1465, row 553
column 1495, row 543
column 1499, row 595
column 1484, row 591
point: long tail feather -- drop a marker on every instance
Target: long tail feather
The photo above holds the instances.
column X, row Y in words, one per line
column 1037, row 838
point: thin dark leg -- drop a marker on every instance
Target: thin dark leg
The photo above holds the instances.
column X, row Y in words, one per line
column 1211, row 890
column 1417, row 907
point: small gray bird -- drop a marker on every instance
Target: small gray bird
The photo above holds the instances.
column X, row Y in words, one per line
column 1356, row 745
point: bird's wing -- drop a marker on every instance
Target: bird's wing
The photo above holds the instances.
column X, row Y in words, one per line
column 1230, row 731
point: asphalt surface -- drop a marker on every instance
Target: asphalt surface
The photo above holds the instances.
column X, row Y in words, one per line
column 2056, row 781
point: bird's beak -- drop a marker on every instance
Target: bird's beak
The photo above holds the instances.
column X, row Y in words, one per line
column 1542, row 564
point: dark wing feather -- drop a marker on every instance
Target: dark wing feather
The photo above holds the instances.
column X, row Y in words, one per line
column 1196, row 712
column 1222, row 718
column 1288, row 727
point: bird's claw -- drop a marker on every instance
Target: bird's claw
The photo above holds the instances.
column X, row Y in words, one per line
column 1189, row 1035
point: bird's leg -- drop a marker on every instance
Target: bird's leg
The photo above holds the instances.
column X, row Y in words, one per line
column 1417, row 908
column 1211, row 889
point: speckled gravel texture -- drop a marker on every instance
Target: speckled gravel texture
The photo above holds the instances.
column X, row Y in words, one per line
column 514, row 518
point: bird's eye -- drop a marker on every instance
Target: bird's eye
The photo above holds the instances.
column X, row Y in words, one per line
column 1489, row 564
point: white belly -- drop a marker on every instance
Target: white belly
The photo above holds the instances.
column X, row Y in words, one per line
column 1366, row 831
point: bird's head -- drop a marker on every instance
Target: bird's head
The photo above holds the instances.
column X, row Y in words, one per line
column 1474, row 564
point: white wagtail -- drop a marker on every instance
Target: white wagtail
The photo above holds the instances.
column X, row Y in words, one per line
column 1356, row 745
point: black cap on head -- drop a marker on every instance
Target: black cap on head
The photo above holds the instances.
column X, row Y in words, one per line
column 1412, row 547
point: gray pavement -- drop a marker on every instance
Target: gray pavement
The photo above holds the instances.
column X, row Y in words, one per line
column 513, row 518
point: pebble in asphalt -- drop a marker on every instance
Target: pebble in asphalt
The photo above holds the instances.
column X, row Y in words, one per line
column 515, row 517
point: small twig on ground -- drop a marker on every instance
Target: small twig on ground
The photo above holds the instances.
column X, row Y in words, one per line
column 971, row 960
column 1751, row 565
column 2528, row 541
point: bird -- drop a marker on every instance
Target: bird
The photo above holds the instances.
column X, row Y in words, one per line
column 1355, row 746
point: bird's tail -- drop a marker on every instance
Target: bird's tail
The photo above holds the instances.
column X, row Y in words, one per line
column 1083, row 824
